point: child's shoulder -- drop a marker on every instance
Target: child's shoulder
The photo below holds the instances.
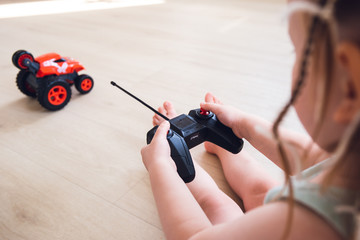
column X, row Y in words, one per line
column 326, row 203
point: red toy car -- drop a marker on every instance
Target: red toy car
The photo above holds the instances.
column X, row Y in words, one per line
column 49, row 78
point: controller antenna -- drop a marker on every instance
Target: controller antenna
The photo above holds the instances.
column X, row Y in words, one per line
column 139, row 100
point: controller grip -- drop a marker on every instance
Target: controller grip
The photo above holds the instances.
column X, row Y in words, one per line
column 179, row 153
column 218, row 133
column 224, row 137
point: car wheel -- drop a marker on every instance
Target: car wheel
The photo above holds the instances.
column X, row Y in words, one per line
column 84, row 83
column 22, row 82
column 54, row 95
column 19, row 57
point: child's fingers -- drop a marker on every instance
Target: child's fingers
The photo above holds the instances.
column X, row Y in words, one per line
column 210, row 98
column 162, row 130
column 213, row 107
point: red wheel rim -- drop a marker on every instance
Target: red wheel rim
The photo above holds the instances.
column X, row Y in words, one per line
column 57, row 95
column 86, row 84
column 22, row 58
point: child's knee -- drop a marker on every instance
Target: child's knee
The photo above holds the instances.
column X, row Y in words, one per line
column 260, row 186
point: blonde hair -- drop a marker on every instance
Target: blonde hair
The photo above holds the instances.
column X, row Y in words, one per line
column 325, row 21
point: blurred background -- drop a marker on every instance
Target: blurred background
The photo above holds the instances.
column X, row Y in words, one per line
column 77, row 173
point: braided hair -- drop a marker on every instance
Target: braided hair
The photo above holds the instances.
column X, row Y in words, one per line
column 340, row 22
column 300, row 82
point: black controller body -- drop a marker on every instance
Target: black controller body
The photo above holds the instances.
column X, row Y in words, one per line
column 188, row 131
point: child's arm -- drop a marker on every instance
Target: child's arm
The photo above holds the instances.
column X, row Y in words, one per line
column 269, row 222
column 256, row 131
column 180, row 214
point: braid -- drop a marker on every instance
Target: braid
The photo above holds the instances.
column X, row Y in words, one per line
column 298, row 86
column 337, row 19
column 303, row 71
column 295, row 94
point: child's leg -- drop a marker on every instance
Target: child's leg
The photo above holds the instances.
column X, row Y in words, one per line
column 245, row 175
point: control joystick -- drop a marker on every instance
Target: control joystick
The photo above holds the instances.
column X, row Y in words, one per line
column 188, row 131
column 203, row 114
column 193, row 129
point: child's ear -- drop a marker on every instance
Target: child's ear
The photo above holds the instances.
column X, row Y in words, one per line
column 348, row 56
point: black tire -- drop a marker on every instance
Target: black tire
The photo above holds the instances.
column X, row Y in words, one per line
column 16, row 55
column 19, row 57
column 23, row 84
column 54, row 95
column 84, row 83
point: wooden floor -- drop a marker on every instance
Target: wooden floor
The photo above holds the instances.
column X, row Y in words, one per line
column 77, row 173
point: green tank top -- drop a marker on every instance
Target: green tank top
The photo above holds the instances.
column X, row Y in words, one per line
column 335, row 205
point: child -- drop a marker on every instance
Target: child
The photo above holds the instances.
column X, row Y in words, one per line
column 320, row 203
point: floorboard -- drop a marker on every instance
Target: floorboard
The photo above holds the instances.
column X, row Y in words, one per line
column 77, row 173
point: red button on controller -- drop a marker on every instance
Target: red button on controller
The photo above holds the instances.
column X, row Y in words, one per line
column 204, row 112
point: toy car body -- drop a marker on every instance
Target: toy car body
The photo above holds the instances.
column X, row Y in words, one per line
column 49, row 78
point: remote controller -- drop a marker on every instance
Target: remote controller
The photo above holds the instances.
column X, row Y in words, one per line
column 188, row 131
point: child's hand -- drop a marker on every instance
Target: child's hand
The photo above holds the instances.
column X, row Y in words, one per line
column 157, row 153
column 227, row 115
